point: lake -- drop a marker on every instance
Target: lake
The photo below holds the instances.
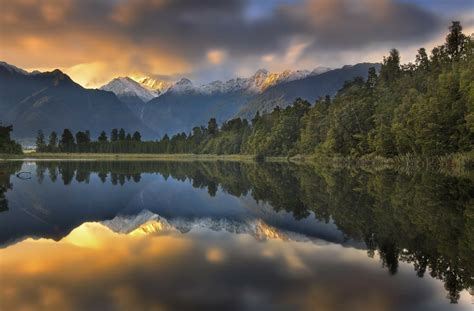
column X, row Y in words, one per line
column 151, row 235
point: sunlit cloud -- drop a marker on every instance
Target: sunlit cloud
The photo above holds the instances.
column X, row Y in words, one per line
column 216, row 56
column 163, row 37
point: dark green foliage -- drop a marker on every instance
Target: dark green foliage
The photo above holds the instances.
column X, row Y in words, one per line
column 40, row 142
column 53, row 142
column 137, row 136
column 114, row 135
column 102, row 137
column 7, row 145
column 67, row 144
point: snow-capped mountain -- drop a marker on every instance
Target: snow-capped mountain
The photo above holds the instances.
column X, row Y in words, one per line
column 147, row 88
column 147, row 222
column 126, row 87
column 184, row 86
column 153, row 84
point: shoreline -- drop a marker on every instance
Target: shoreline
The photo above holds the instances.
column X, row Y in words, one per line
column 457, row 164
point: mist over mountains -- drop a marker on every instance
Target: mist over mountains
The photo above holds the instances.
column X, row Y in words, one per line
column 52, row 101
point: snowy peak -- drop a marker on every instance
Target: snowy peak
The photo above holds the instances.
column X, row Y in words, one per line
column 127, row 87
column 147, row 88
column 153, row 84
column 183, row 86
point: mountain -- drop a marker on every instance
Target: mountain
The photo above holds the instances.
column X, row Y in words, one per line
column 52, row 101
column 183, row 107
column 186, row 105
column 159, row 86
column 310, row 87
column 131, row 93
column 125, row 87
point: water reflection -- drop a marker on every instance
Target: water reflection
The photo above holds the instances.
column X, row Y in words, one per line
column 424, row 221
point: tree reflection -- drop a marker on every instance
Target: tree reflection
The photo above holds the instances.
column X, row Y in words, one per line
column 6, row 171
column 426, row 218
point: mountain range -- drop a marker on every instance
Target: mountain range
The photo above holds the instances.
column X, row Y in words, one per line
column 53, row 101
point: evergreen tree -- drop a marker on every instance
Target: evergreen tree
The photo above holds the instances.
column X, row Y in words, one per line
column 40, row 142
column 137, row 136
column 53, row 142
column 455, row 41
column 121, row 134
column 102, row 137
column 212, row 126
column 67, row 144
column 114, row 135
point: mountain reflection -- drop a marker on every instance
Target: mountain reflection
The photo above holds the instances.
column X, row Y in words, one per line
column 423, row 219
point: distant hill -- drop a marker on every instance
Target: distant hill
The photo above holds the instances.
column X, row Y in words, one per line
column 52, row 101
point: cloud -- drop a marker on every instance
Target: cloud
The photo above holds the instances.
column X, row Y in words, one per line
column 171, row 36
column 94, row 268
column 216, row 56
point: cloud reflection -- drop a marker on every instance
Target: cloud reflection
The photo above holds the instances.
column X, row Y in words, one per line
column 94, row 268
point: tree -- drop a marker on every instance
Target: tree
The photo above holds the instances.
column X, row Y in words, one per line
column 114, row 135
column 67, row 143
column 102, row 137
column 121, row 134
column 7, row 145
column 137, row 136
column 82, row 138
column 391, row 66
column 40, row 142
column 371, row 78
column 455, row 41
column 212, row 126
column 53, row 141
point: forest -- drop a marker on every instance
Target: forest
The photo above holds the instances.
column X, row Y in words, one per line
column 425, row 108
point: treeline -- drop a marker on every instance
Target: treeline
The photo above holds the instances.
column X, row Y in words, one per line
column 119, row 142
column 8, row 145
column 424, row 108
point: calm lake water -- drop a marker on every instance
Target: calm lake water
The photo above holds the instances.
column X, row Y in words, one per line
column 92, row 235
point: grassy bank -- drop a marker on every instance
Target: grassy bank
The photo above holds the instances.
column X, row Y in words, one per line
column 127, row 157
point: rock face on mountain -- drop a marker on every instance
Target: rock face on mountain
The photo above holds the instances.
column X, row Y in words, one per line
column 310, row 88
column 52, row 101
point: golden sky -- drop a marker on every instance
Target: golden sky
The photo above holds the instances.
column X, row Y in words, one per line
column 97, row 40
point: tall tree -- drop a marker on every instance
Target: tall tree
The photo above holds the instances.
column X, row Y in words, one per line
column 40, row 142
column 53, row 141
column 137, row 136
column 455, row 41
column 102, row 137
column 121, row 134
column 114, row 135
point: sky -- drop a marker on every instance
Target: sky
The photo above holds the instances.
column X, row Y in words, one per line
column 95, row 41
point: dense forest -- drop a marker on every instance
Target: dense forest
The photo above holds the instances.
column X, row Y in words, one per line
column 424, row 108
